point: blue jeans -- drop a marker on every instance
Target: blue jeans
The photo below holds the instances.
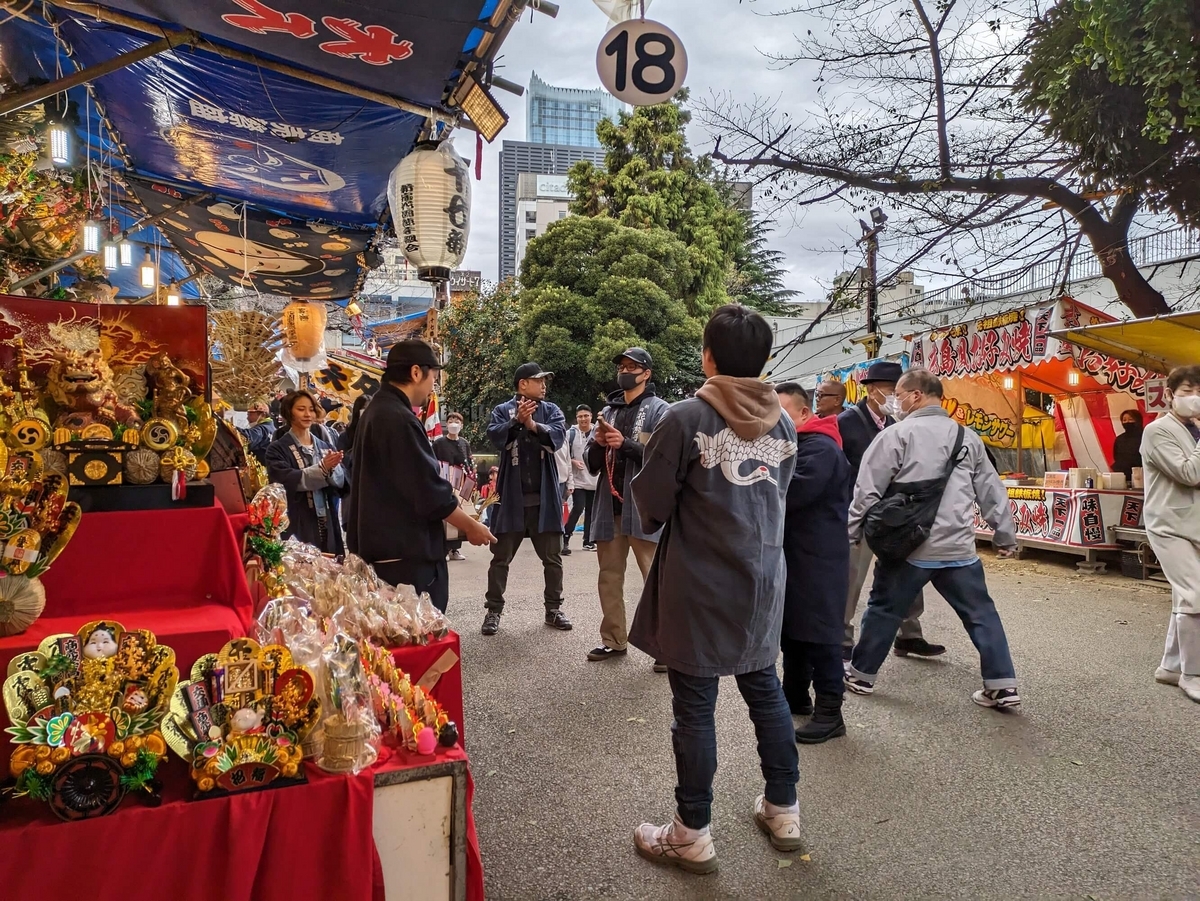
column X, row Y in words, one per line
column 892, row 593
column 694, row 738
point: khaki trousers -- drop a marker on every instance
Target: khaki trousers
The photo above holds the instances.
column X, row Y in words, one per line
column 613, row 558
column 860, row 563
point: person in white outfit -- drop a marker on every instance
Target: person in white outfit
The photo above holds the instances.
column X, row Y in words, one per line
column 1171, row 460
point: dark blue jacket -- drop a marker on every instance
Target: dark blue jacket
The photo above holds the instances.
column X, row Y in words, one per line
column 503, row 431
column 815, row 546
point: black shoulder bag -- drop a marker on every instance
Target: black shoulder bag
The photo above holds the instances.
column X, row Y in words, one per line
column 901, row 520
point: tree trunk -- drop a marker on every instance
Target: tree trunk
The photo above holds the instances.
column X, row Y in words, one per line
column 1110, row 241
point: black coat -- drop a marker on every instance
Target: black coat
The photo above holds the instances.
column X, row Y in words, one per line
column 1127, row 452
column 858, row 431
column 815, row 546
column 398, row 499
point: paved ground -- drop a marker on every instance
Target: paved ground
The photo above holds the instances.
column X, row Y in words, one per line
column 1092, row 792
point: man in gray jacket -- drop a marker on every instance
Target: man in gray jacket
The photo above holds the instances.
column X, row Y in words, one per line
column 714, row 478
column 917, row 449
column 614, row 453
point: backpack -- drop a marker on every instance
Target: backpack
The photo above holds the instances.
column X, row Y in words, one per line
column 900, row 521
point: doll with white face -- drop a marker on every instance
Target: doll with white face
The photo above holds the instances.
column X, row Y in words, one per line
column 100, row 645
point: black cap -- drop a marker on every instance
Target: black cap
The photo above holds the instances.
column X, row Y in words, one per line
column 639, row 355
column 413, row 352
column 882, row 371
column 529, row 371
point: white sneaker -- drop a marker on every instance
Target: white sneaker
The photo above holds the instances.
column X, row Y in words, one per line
column 1191, row 687
column 456, row 555
column 997, row 698
column 677, row 845
column 783, row 827
column 1166, row 676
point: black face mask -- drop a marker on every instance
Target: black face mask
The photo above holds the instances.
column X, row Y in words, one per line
column 1131, row 426
column 627, row 381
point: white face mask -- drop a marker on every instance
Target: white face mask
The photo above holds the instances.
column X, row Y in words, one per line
column 891, row 407
column 454, row 428
column 1187, row 406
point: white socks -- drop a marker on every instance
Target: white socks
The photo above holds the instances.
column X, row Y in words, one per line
column 772, row 810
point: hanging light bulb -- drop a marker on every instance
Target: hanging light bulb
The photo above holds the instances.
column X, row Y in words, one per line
column 126, row 254
column 60, row 144
column 353, row 309
column 91, row 236
column 173, row 298
column 1009, row 383
column 1073, row 377
column 148, row 271
column 110, row 256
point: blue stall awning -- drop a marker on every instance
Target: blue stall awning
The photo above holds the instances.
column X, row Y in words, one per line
column 294, row 160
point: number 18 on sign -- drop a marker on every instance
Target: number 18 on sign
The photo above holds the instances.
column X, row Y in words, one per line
column 642, row 62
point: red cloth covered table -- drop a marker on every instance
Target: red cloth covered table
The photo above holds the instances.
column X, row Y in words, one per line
column 304, row 841
column 177, row 573
column 416, row 659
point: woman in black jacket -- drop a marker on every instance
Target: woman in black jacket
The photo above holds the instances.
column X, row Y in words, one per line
column 310, row 471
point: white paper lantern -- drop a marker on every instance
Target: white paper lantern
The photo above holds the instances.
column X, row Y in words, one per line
column 430, row 196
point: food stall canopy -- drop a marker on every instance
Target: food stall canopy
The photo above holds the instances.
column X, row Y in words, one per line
column 1159, row 343
column 272, row 144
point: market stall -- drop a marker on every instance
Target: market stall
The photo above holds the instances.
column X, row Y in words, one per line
column 990, row 368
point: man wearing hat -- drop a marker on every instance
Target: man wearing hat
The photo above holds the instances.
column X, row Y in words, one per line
column 261, row 430
column 859, row 426
column 615, row 455
column 399, row 502
column 527, row 430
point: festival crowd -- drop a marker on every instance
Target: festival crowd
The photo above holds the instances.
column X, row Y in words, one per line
column 754, row 512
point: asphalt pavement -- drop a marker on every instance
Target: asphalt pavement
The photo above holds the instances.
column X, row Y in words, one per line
column 1092, row 791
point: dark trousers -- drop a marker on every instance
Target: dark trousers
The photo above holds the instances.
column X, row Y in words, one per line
column 964, row 587
column 581, row 502
column 425, row 578
column 807, row 663
column 549, row 549
column 694, row 738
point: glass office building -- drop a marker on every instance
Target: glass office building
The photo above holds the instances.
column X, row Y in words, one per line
column 566, row 116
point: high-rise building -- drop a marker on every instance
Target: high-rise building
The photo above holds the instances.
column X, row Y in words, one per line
column 566, row 115
column 523, row 157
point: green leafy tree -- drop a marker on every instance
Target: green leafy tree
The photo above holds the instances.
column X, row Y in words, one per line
column 1119, row 82
column 651, row 180
column 592, row 288
column 484, row 345
column 756, row 275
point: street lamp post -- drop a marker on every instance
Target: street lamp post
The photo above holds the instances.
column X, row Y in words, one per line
column 870, row 242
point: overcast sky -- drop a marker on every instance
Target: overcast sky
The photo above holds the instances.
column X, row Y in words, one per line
column 725, row 41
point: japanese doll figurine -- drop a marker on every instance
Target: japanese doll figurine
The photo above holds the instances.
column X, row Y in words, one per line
column 86, row 710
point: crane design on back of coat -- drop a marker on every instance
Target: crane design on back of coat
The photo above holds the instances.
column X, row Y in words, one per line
column 727, row 450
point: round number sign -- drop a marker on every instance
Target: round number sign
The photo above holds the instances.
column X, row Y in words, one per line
column 642, row 62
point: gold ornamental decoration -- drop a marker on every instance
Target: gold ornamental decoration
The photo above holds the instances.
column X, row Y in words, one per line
column 202, row 469
column 132, row 437
column 177, row 459
column 54, row 460
column 30, row 433
column 159, row 434
column 96, row 430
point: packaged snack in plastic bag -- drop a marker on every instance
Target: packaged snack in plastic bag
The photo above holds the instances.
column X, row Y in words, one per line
column 351, row 731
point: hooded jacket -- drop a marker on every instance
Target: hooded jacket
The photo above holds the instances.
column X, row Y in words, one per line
column 636, row 421
column 918, row 448
column 814, row 546
column 713, row 478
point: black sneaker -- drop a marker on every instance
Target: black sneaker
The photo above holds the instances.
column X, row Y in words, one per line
column 558, row 620
column 604, row 652
column 917, row 646
column 566, row 551
column 491, row 623
column 590, row 547
column 659, row 666
column 997, row 698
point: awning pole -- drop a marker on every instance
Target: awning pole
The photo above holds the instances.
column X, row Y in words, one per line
column 75, row 257
column 114, row 18
column 40, row 92
column 1020, row 418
